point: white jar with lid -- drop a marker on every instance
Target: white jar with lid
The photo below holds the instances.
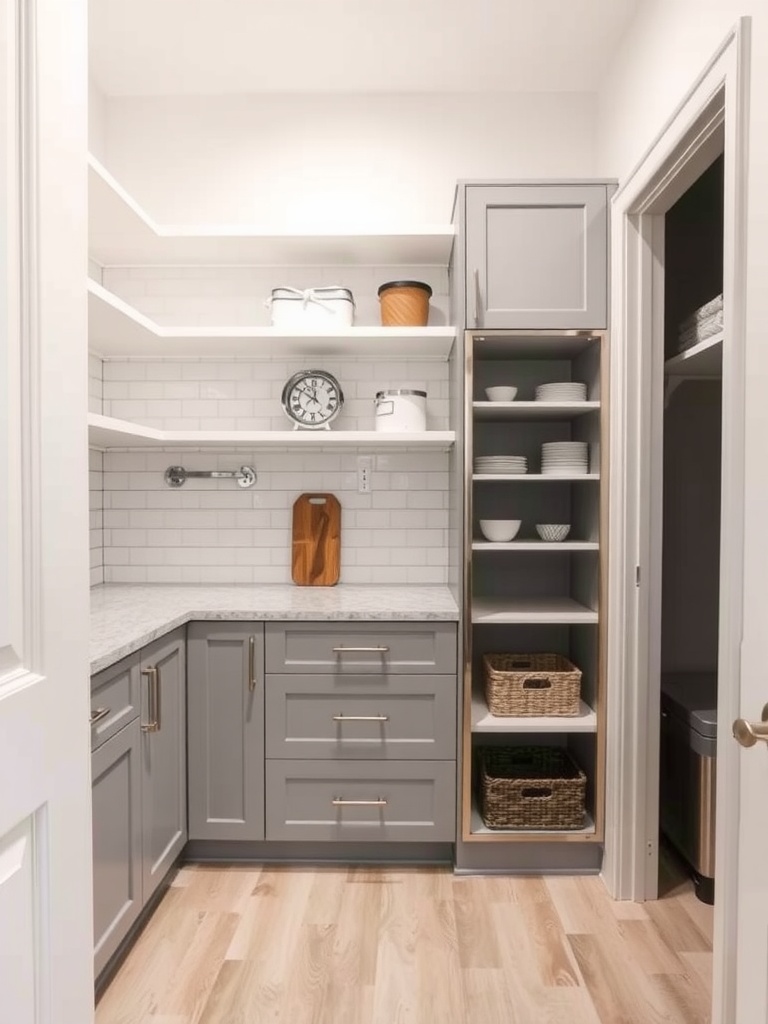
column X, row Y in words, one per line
column 401, row 410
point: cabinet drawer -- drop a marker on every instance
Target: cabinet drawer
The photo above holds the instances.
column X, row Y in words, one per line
column 114, row 699
column 373, row 716
column 355, row 647
column 396, row 801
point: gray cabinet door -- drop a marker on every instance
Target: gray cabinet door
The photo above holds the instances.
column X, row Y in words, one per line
column 355, row 647
column 114, row 699
column 378, row 801
column 226, row 730
column 361, row 717
column 536, row 256
column 117, row 881
column 163, row 757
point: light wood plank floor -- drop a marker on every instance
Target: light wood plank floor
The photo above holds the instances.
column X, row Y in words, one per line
column 293, row 945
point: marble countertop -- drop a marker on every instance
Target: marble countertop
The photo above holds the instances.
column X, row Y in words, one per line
column 125, row 617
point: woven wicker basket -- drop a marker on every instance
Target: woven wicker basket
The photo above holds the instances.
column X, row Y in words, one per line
column 530, row 788
column 531, row 684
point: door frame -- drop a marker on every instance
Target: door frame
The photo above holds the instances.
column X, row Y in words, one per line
column 713, row 117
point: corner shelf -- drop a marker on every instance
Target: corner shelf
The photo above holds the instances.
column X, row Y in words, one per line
column 118, row 331
column 704, row 359
column 108, row 432
column 484, row 722
column 501, row 412
column 535, row 610
column 121, row 233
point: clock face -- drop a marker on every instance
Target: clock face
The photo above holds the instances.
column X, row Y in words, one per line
column 312, row 398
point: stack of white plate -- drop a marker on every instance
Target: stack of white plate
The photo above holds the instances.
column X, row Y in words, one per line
column 501, row 464
column 563, row 391
column 565, row 458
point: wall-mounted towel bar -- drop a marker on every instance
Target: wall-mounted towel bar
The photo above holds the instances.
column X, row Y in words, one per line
column 176, row 476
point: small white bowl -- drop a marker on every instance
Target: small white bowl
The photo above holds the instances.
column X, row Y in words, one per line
column 553, row 531
column 501, row 394
column 499, row 530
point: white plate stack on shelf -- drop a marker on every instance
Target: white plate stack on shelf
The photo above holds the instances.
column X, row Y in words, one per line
column 501, row 464
column 562, row 391
column 565, row 458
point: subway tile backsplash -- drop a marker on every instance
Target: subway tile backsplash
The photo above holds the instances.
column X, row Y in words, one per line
column 212, row 531
column 96, row 513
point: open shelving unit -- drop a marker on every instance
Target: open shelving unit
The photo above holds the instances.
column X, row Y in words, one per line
column 526, row 595
column 118, row 331
column 121, row 233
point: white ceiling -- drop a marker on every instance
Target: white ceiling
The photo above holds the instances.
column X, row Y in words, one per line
column 199, row 47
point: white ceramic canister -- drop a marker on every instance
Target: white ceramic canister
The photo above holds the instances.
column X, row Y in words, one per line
column 401, row 410
column 316, row 308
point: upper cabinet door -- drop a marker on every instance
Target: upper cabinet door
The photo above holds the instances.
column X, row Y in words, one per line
column 536, row 256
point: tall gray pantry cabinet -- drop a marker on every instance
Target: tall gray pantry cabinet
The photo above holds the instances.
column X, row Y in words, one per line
column 139, row 784
column 529, row 282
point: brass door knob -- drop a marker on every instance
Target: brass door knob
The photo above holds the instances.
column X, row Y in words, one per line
column 748, row 733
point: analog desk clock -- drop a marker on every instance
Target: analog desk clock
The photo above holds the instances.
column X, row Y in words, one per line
column 312, row 399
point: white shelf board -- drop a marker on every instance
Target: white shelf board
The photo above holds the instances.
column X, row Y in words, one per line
column 118, row 331
column 564, row 610
column 536, row 545
column 532, row 477
column 107, row 432
column 702, row 360
column 477, row 828
column 484, row 722
column 121, row 233
column 549, row 411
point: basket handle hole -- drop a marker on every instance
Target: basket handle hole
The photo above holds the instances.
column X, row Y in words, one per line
column 537, row 793
column 537, row 684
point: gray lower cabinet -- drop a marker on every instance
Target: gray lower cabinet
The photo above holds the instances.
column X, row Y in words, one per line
column 163, row 757
column 117, row 852
column 361, row 731
column 536, row 255
column 225, row 693
column 354, row 801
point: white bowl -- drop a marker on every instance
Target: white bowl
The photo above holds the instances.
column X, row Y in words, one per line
column 553, row 531
column 499, row 530
column 501, row 394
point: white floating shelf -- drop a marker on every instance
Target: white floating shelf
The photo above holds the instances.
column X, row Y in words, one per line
column 121, row 233
column 702, row 360
column 532, row 477
column 484, row 722
column 536, row 545
column 550, row 411
column 551, row 610
column 107, row 432
column 118, row 331
column 477, row 828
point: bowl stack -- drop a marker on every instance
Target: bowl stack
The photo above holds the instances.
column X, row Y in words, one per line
column 501, row 464
column 565, row 458
column 562, row 391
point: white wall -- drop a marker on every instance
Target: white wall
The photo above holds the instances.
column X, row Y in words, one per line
column 97, row 121
column 340, row 160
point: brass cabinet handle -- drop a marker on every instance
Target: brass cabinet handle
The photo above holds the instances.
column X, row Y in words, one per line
column 360, row 718
column 748, row 733
column 152, row 700
column 251, row 663
column 361, row 650
column 337, row 802
column 98, row 713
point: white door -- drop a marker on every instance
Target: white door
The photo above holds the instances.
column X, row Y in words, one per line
column 45, row 846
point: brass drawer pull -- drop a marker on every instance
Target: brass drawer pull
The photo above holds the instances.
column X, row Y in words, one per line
column 98, row 713
column 360, row 718
column 360, row 650
column 358, row 803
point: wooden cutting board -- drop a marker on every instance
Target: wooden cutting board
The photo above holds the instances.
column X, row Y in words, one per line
column 316, row 554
